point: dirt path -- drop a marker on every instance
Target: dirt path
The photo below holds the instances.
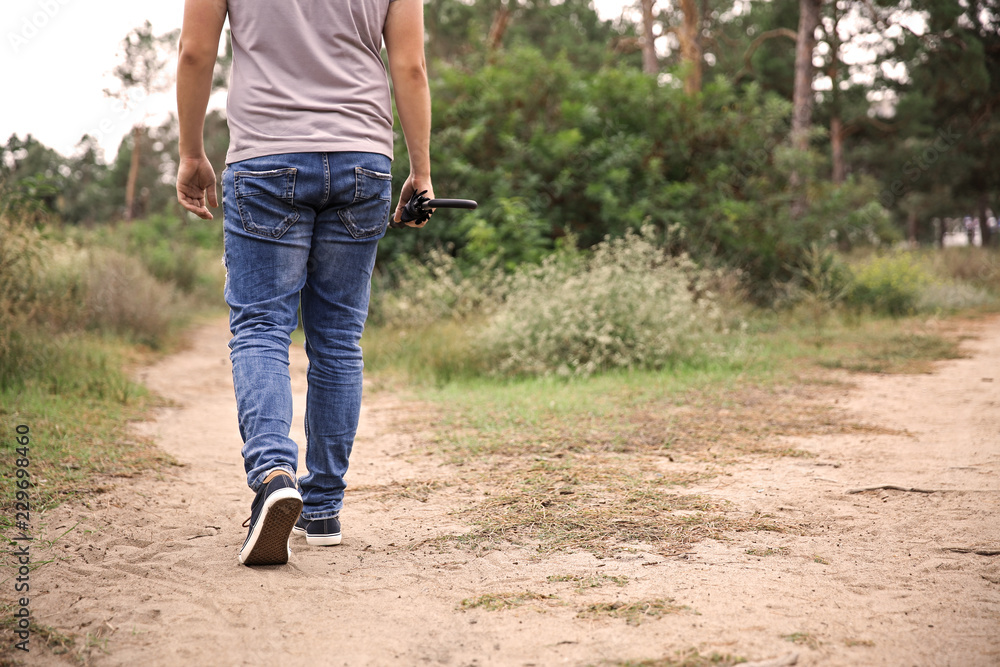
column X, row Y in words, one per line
column 149, row 575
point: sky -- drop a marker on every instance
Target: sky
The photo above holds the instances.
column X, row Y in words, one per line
column 56, row 58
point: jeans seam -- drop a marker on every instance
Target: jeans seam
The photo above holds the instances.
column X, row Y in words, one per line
column 326, row 181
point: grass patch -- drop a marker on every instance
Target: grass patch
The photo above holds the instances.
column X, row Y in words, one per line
column 634, row 613
column 803, row 639
column 712, row 418
column 603, row 518
column 502, row 601
column 901, row 353
column 689, row 658
column 600, row 463
column 588, row 581
column 859, row 642
column 77, row 404
column 57, row 643
column 780, row 551
column 414, row 490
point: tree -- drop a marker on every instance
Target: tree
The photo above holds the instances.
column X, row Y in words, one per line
column 650, row 63
column 144, row 58
column 468, row 33
column 802, row 97
column 942, row 64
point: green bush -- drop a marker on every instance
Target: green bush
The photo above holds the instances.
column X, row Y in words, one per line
column 186, row 254
column 625, row 304
column 103, row 290
column 821, row 276
column 890, row 284
column 952, row 296
column 436, row 289
column 550, row 149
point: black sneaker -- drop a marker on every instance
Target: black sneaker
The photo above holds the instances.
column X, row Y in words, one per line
column 319, row 533
column 272, row 515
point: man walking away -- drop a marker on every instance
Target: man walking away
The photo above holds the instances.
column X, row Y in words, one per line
column 306, row 198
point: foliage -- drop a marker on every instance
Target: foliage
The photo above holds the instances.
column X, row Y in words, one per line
column 626, row 304
column 820, row 275
column 178, row 251
column 134, row 282
column 549, row 149
column 19, row 262
column 890, row 284
column 468, row 33
column 437, row 289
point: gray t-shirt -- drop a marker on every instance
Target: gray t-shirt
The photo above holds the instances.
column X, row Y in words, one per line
column 308, row 77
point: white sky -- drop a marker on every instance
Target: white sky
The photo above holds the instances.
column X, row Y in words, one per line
column 56, row 58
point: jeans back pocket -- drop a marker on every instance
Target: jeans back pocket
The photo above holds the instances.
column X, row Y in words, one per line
column 368, row 214
column 266, row 200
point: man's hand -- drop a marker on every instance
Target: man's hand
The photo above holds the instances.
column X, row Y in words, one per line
column 413, row 184
column 195, row 180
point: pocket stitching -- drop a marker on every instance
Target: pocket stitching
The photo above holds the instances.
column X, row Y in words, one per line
column 361, row 171
column 345, row 214
column 288, row 196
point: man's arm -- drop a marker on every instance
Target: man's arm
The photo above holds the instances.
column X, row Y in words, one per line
column 199, row 48
column 404, row 42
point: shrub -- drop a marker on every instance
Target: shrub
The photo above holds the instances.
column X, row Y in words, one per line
column 820, row 277
column 435, row 290
column 122, row 297
column 172, row 249
column 626, row 304
column 890, row 284
column 950, row 296
column 19, row 258
column 979, row 267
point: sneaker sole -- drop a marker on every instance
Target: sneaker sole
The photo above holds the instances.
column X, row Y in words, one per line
column 268, row 544
column 317, row 540
column 322, row 540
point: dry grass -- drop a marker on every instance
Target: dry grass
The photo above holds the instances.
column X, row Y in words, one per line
column 612, row 516
column 782, row 551
column 502, row 601
column 717, row 424
column 690, row 658
column 803, row 639
column 601, row 466
column 902, row 353
column 606, row 483
column 583, row 582
column 634, row 613
column 413, row 490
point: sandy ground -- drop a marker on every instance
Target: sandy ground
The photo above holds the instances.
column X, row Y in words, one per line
column 149, row 574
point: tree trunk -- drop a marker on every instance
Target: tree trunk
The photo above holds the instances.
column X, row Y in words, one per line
column 499, row 27
column 911, row 227
column 650, row 64
column 836, row 124
column 837, row 149
column 133, row 174
column 689, row 36
column 802, row 98
column 984, row 228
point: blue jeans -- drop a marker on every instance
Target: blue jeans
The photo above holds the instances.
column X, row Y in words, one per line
column 301, row 230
